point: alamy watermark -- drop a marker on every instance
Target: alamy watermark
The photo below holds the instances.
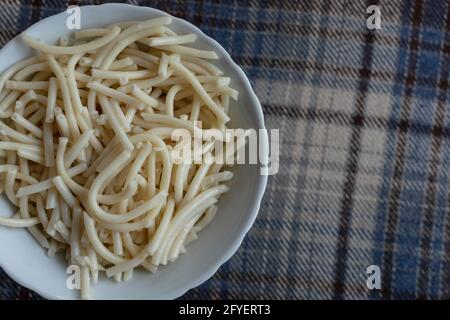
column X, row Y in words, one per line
column 229, row 147
column 73, row 281
column 374, row 19
column 374, row 279
column 73, row 22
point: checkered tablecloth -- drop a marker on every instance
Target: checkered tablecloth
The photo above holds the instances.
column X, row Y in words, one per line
column 365, row 144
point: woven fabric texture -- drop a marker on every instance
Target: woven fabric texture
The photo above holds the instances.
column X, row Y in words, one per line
column 365, row 144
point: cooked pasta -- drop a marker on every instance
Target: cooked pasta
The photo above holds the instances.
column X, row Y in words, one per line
column 86, row 146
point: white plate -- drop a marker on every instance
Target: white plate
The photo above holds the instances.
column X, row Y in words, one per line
column 27, row 263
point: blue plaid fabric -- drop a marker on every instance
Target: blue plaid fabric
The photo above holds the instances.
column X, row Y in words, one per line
column 365, row 144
